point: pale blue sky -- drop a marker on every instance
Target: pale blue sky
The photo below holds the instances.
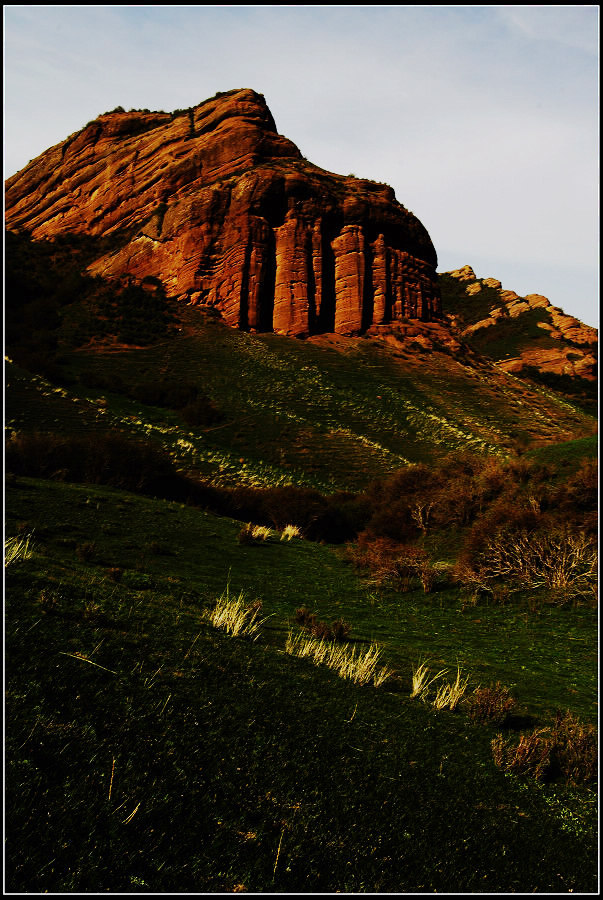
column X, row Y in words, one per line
column 484, row 119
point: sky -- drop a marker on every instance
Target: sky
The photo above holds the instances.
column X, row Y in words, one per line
column 484, row 119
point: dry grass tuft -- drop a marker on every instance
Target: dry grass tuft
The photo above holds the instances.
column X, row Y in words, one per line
column 421, row 681
column 449, row 695
column 290, row 531
column 254, row 534
column 236, row 616
column 17, row 549
column 361, row 667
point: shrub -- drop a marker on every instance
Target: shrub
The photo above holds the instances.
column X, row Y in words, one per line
column 566, row 750
column 48, row 600
column 491, row 705
column 391, row 563
column 115, row 573
column 156, row 548
column 103, row 458
column 87, row 551
column 167, row 393
column 574, row 748
column 290, row 531
column 304, row 617
column 339, row 630
column 201, row 413
column 322, row 631
column 531, row 756
column 555, row 559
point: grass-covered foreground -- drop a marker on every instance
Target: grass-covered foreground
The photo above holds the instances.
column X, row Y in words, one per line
column 148, row 751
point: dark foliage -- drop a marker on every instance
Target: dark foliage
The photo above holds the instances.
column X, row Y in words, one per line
column 491, row 705
column 45, row 278
column 338, row 631
column 567, row 750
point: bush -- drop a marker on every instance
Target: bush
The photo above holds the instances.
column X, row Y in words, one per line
column 555, row 559
column 567, row 750
column 337, row 631
column 110, row 459
column 201, row 413
column 87, row 551
column 574, row 752
column 531, row 756
column 304, row 617
column 491, row 705
column 391, row 563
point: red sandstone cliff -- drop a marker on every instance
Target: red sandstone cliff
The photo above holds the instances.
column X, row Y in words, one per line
column 227, row 212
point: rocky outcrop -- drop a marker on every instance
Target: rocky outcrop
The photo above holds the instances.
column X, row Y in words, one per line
column 227, row 213
column 567, row 346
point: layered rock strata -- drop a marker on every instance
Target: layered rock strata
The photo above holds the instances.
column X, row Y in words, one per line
column 227, row 213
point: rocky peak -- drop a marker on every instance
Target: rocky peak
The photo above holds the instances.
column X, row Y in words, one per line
column 543, row 337
column 228, row 213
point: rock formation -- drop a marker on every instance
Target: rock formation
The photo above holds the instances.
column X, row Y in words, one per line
column 227, row 213
column 567, row 347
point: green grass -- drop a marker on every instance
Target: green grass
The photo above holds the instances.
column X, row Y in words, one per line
column 568, row 456
column 147, row 750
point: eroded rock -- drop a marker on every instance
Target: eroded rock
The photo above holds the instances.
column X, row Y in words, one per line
column 228, row 214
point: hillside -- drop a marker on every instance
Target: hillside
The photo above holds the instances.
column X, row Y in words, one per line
column 159, row 753
column 301, row 537
column 330, row 411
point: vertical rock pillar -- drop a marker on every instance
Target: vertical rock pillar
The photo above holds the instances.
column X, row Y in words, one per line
column 380, row 282
column 291, row 302
column 348, row 250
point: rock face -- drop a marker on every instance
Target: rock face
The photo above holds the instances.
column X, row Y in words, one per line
column 227, row 213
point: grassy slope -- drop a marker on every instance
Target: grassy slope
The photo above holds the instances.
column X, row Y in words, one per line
column 226, row 750
column 331, row 414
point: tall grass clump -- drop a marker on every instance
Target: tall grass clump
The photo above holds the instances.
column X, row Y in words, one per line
column 449, row 695
column 236, row 616
column 254, row 534
column 17, row 549
column 290, row 531
column 421, row 680
column 359, row 666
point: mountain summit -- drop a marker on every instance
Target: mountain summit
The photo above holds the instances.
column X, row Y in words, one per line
column 227, row 213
